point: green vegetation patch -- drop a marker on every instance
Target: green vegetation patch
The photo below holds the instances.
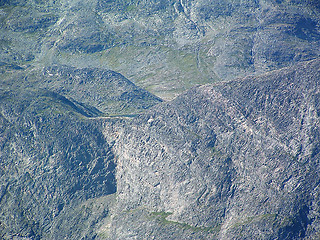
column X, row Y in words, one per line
column 161, row 217
column 131, row 8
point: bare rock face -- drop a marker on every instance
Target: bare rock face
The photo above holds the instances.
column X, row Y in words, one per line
column 236, row 160
column 57, row 169
column 86, row 153
column 52, row 158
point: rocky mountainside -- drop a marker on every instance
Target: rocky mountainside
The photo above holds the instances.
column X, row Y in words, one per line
column 236, row 160
column 87, row 153
column 163, row 46
column 53, row 157
column 107, row 91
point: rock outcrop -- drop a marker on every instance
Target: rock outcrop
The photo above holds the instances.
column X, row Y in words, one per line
column 107, row 91
column 86, row 153
column 52, row 159
column 236, row 160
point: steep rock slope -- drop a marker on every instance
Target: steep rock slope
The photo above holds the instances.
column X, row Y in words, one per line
column 52, row 160
column 57, row 170
column 236, row 160
column 163, row 46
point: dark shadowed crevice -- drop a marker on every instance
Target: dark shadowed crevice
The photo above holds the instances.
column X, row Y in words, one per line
column 296, row 229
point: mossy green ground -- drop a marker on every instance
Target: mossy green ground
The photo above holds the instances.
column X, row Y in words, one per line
column 162, row 218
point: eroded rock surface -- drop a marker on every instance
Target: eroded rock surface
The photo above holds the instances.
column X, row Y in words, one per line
column 238, row 159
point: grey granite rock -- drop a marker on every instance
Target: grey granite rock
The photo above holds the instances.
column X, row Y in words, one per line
column 238, row 159
column 53, row 158
column 86, row 154
column 234, row 160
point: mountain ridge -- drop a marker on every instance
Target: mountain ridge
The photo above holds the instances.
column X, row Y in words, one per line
column 87, row 153
column 109, row 92
column 219, row 171
column 220, row 161
column 165, row 47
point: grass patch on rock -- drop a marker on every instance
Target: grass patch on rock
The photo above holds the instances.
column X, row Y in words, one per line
column 161, row 217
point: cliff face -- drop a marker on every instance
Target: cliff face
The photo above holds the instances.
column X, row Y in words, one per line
column 57, row 169
column 52, row 159
column 236, row 160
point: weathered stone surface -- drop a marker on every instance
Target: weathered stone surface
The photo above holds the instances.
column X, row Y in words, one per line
column 53, row 158
column 241, row 157
column 235, row 160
